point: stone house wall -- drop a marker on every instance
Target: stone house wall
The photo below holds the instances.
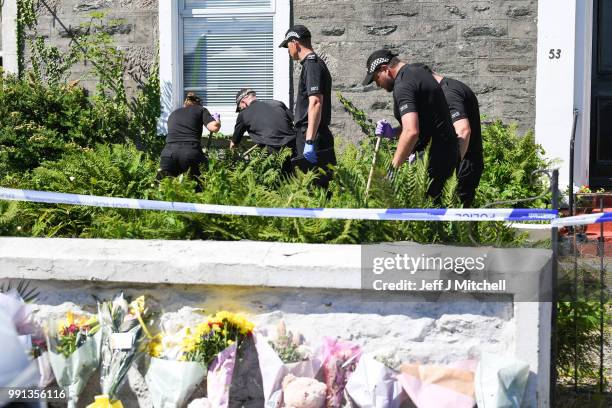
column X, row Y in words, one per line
column 488, row 44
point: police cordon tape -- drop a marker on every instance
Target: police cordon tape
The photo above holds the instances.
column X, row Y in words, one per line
column 585, row 219
column 392, row 214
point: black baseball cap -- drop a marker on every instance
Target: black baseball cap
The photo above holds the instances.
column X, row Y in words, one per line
column 375, row 60
column 241, row 95
column 295, row 32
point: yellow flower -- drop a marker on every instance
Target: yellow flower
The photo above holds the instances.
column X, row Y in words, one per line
column 155, row 346
column 137, row 306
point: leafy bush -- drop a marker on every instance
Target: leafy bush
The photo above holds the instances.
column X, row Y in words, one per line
column 122, row 170
column 43, row 116
column 510, row 162
column 39, row 122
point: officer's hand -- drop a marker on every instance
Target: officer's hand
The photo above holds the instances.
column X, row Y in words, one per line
column 384, row 129
column 309, row 153
column 216, row 116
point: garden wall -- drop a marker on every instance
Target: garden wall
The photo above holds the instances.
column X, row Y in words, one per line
column 314, row 288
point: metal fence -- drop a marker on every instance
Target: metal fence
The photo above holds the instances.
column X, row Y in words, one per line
column 582, row 335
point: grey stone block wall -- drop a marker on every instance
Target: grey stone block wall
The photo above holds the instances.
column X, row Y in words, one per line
column 489, row 45
column 132, row 23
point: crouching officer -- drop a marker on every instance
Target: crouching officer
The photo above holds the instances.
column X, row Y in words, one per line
column 183, row 150
column 314, row 140
column 420, row 108
column 269, row 124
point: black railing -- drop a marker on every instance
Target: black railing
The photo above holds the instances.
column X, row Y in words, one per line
column 582, row 334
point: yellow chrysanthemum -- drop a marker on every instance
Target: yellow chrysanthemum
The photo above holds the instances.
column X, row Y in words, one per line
column 155, row 346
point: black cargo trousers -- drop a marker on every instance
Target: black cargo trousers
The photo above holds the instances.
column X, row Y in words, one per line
column 181, row 157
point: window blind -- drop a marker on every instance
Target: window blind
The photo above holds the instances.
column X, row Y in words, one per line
column 223, row 54
column 217, row 4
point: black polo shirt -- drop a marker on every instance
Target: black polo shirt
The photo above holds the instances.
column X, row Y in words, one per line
column 463, row 104
column 187, row 124
column 315, row 79
column 269, row 123
column 416, row 90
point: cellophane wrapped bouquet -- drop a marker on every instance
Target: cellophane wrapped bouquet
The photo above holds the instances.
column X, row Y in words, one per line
column 181, row 360
column 123, row 325
column 74, row 351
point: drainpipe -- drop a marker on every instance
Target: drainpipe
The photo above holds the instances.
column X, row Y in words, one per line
column 571, row 165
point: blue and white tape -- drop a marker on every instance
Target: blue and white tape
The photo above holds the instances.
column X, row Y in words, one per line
column 583, row 219
column 394, row 214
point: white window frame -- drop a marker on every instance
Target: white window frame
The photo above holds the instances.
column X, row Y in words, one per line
column 171, row 14
column 8, row 51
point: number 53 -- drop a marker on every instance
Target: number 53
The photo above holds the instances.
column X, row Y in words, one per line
column 554, row 54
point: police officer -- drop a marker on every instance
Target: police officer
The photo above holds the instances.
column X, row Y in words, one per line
column 465, row 114
column 269, row 123
column 183, row 150
column 420, row 108
column 313, row 103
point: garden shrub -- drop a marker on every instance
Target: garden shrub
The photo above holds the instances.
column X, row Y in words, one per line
column 122, row 170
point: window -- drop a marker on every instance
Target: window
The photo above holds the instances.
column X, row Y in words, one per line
column 216, row 47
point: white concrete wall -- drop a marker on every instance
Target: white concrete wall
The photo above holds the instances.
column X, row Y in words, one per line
column 314, row 288
column 9, row 36
column 563, row 84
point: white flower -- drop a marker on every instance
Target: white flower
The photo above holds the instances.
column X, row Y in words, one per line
column 72, row 178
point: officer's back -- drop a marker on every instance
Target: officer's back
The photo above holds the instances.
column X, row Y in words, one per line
column 268, row 123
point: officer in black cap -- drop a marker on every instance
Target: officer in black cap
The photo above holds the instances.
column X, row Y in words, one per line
column 183, row 150
column 313, row 103
column 269, row 123
column 421, row 109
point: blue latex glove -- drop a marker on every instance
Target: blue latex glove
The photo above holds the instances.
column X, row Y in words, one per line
column 384, row 129
column 309, row 153
column 216, row 116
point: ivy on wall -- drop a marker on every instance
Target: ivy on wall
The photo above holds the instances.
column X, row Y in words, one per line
column 26, row 20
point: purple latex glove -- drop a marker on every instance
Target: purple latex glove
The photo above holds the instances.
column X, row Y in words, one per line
column 384, row 129
column 216, row 116
column 309, row 153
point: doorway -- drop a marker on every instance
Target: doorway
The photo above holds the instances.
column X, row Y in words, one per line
column 600, row 168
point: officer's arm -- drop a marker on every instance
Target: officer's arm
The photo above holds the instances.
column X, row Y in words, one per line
column 463, row 130
column 239, row 130
column 315, row 105
column 209, row 121
column 408, row 138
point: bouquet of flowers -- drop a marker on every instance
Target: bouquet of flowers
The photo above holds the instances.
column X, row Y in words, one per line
column 437, row 386
column 340, row 359
column 373, row 385
column 280, row 356
column 179, row 361
column 74, row 350
column 214, row 344
column 124, row 330
column 171, row 379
